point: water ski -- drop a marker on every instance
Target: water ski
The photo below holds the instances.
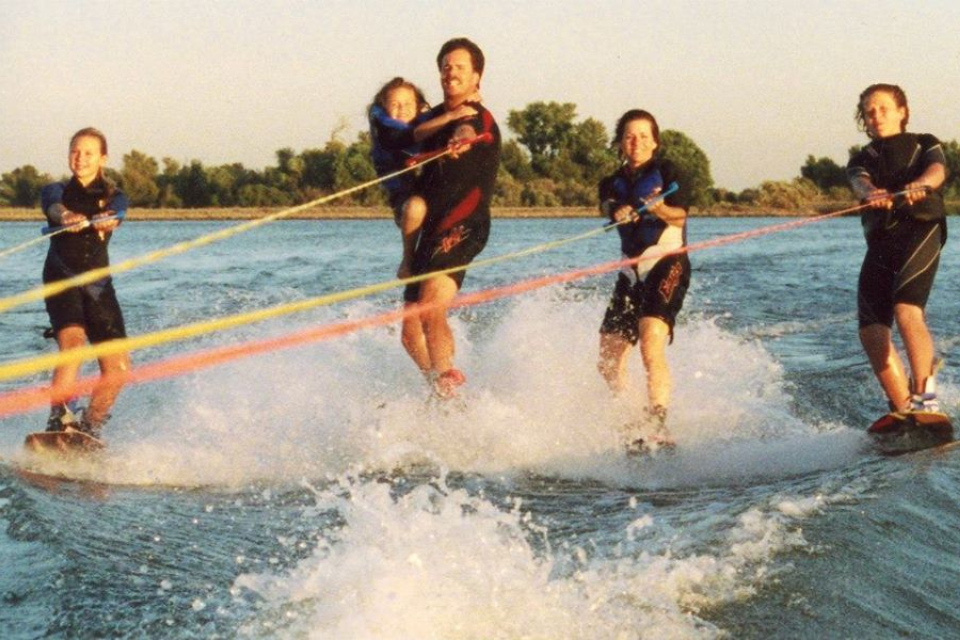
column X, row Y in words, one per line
column 641, row 439
column 69, row 443
column 645, row 447
column 897, row 433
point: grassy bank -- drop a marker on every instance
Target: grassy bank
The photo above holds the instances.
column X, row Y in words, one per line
column 377, row 213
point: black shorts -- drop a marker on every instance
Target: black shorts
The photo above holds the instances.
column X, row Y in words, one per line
column 93, row 307
column 660, row 295
column 900, row 266
column 456, row 247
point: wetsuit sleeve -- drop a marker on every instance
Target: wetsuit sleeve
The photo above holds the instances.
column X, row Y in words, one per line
column 932, row 150
column 682, row 197
column 119, row 204
column 858, row 164
column 51, row 202
column 487, row 161
column 390, row 133
column 859, row 174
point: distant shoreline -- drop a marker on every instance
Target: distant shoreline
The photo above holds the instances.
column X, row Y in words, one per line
column 11, row 214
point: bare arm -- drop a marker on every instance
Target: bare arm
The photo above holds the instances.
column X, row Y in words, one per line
column 426, row 129
column 674, row 216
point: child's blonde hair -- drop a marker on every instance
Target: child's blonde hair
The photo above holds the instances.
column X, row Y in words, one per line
column 380, row 100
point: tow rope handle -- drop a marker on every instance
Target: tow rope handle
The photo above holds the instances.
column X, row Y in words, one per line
column 120, row 215
column 671, row 188
column 419, row 158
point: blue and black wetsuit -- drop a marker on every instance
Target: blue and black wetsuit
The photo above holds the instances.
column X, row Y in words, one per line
column 93, row 306
column 656, row 285
column 393, row 144
column 458, row 194
column 903, row 243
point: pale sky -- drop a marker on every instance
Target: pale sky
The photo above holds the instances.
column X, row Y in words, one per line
column 758, row 85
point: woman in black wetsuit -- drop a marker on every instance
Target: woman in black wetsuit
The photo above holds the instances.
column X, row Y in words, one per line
column 649, row 293
column 904, row 237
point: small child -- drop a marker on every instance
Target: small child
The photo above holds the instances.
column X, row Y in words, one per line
column 93, row 209
column 396, row 133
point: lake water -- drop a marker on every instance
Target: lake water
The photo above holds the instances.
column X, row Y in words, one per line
column 309, row 493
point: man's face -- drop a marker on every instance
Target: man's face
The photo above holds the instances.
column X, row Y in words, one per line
column 457, row 77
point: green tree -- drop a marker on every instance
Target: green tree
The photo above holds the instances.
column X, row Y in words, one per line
column 261, row 195
column 589, row 150
column 21, row 187
column 692, row 163
column 138, row 179
column 320, row 166
column 571, row 156
column 514, row 160
column 543, row 128
column 167, row 184
column 355, row 166
column 507, row 189
column 823, row 172
column 289, row 171
column 540, row 192
column 226, row 181
column 787, row 195
column 193, row 187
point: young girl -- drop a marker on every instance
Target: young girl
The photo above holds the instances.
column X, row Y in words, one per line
column 395, row 134
column 648, row 294
column 92, row 208
column 904, row 236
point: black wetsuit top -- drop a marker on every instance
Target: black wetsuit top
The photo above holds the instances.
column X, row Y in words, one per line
column 73, row 253
column 892, row 163
column 459, row 191
column 903, row 244
column 633, row 188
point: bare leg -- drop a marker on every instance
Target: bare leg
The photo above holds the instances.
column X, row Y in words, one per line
column 414, row 341
column 877, row 342
column 65, row 375
column 654, row 334
column 917, row 341
column 113, row 375
column 414, row 211
column 612, row 363
column 438, row 293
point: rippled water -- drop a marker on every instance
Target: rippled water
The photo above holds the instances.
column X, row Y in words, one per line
column 309, row 493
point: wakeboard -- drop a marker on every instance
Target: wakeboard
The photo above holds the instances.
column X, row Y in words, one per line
column 69, row 443
column 898, row 433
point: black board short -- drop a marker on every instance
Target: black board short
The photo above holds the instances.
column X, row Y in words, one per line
column 93, row 307
column 900, row 266
column 659, row 295
column 456, row 247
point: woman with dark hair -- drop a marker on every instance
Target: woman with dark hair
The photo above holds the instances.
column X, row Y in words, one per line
column 904, row 236
column 650, row 289
column 91, row 209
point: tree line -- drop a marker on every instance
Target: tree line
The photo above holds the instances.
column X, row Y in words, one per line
column 553, row 160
